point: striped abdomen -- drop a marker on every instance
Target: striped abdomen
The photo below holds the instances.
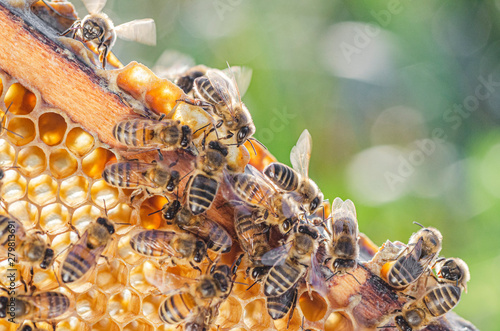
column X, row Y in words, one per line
column 282, row 176
column 135, row 133
column 201, row 194
column 177, row 308
column 218, row 238
column 403, row 274
column 46, row 306
column 10, row 227
column 123, row 174
column 250, row 191
column 151, row 242
column 77, row 264
column 442, row 299
column 205, row 91
column 282, row 277
column 279, row 306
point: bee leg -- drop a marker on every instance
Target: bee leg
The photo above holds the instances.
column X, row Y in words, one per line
column 72, row 28
column 196, row 267
column 75, row 229
column 24, row 284
column 104, row 54
column 135, row 194
column 160, row 155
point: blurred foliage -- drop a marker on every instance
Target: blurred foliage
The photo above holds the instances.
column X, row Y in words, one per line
column 372, row 81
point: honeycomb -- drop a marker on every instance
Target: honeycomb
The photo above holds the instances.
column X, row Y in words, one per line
column 52, row 183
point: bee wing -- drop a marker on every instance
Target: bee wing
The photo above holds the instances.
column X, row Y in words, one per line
column 317, row 276
column 172, row 63
column 204, row 230
column 142, row 31
column 225, row 89
column 343, row 209
column 135, row 176
column 276, row 256
column 94, row 6
column 301, row 153
column 411, row 261
column 159, row 245
column 167, row 282
column 242, row 77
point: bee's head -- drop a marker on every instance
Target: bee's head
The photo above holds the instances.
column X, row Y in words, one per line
column 91, row 28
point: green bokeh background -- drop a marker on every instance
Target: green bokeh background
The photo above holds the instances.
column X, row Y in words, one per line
column 371, row 81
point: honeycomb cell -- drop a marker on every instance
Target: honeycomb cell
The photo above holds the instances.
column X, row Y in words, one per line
column 140, row 324
column 52, row 128
column 337, row 321
column 241, row 290
column 140, row 281
column 93, row 164
column 103, row 195
column 42, row 190
column 62, row 164
column 71, row 324
column 61, row 242
column 79, row 142
column 112, row 277
column 25, row 212
column 295, row 323
column 23, row 101
column 54, row 218
column 91, row 305
column 14, row 186
column 7, row 153
column 230, row 313
column 150, row 306
column 31, row 161
column 127, row 253
column 106, row 324
column 5, row 270
column 73, row 191
column 83, row 216
column 314, row 308
column 45, row 280
column 124, row 306
column 21, row 131
column 121, row 215
column 149, row 206
column 255, row 315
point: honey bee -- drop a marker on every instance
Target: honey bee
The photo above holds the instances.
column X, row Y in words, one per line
column 435, row 302
column 255, row 190
column 291, row 261
column 218, row 89
column 253, row 237
column 83, row 255
column 296, row 180
column 454, row 271
column 344, row 249
column 215, row 236
column 169, row 245
column 31, row 248
column 153, row 177
column 98, row 28
column 37, row 307
column 410, row 266
column 209, row 290
column 153, row 134
column 204, row 183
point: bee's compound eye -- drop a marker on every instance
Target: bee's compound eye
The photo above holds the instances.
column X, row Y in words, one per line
column 242, row 134
column 314, row 204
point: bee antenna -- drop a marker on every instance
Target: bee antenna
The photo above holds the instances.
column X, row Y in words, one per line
column 416, row 223
column 201, row 128
column 258, row 142
column 105, row 210
column 353, row 277
column 386, row 327
column 252, row 147
column 182, row 179
column 240, row 283
column 334, row 274
column 252, row 285
column 155, row 212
